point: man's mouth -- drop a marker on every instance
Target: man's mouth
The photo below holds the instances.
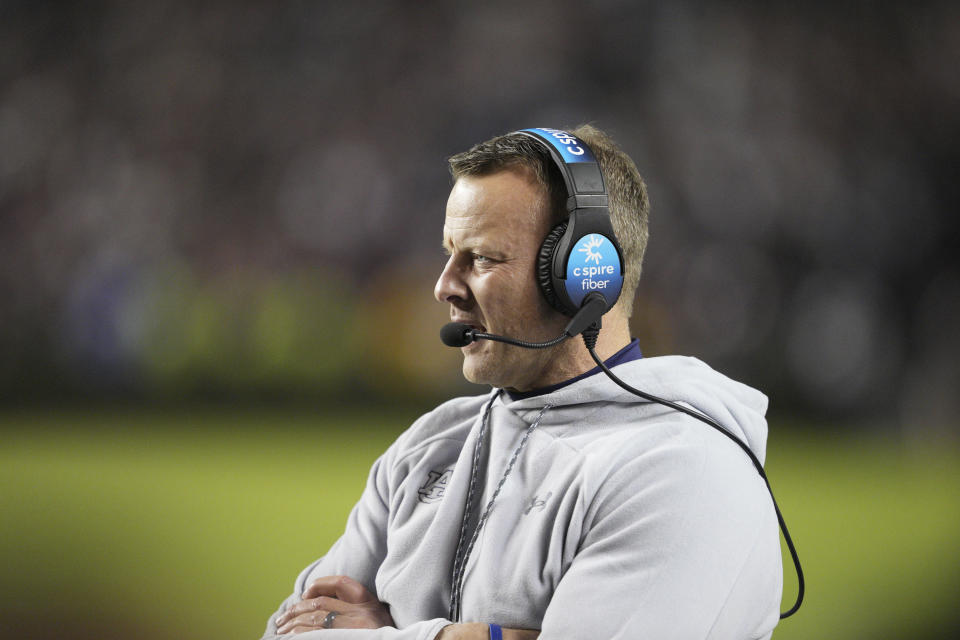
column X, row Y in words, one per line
column 476, row 327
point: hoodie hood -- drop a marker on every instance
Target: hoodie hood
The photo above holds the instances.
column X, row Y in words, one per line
column 740, row 409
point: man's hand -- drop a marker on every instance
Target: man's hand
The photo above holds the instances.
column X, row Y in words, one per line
column 354, row 606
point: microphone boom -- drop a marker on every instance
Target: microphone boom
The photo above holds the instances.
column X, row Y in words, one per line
column 519, row 343
column 458, row 334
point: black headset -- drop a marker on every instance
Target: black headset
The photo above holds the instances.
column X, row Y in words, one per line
column 581, row 255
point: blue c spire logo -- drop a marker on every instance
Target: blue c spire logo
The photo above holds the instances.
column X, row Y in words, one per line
column 569, row 146
column 593, row 266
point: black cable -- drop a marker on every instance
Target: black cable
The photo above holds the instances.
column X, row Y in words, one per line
column 590, row 340
column 518, row 343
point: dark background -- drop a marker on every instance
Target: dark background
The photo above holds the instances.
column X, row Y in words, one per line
column 220, row 228
column 220, row 199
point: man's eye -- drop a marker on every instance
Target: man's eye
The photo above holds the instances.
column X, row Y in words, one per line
column 481, row 258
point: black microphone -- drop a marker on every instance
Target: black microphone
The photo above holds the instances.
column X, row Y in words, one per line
column 458, row 334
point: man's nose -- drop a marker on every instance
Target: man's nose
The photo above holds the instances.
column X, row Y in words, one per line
column 450, row 285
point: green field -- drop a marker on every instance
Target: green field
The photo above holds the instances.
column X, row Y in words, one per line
column 193, row 524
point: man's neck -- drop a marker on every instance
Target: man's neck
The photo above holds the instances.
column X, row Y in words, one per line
column 631, row 351
column 571, row 358
column 614, row 335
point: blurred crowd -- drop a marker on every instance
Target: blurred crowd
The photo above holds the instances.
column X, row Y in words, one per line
column 243, row 200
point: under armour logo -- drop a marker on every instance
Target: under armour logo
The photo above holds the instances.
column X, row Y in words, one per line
column 435, row 486
column 537, row 503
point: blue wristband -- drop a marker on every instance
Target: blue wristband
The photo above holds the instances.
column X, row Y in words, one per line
column 496, row 633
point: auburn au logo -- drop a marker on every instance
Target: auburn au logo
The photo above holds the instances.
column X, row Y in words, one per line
column 435, row 486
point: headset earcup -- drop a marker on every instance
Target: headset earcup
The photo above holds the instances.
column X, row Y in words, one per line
column 545, row 267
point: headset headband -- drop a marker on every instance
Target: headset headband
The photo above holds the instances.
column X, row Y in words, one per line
column 580, row 170
column 566, row 282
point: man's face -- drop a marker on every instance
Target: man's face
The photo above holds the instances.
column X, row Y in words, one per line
column 492, row 233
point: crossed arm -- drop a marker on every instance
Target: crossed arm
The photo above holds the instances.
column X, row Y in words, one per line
column 357, row 608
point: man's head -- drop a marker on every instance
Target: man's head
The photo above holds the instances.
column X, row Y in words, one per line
column 629, row 205
column 508, row 194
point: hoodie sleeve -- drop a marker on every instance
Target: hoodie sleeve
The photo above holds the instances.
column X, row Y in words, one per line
column 681, row 542
column 358, row 553
column 362, row 549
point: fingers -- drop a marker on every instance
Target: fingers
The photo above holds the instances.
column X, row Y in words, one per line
column 313, row 605
column 313, row 620
column 340, row 587
column 307, row 621
column 354, row 605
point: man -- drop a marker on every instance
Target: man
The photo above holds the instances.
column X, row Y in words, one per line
column 558, row 504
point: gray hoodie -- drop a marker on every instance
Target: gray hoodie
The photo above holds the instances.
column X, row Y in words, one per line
column 620, row 519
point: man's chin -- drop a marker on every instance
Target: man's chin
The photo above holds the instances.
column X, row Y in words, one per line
column 471, row 372
column 487, row 369
column 478, row 369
